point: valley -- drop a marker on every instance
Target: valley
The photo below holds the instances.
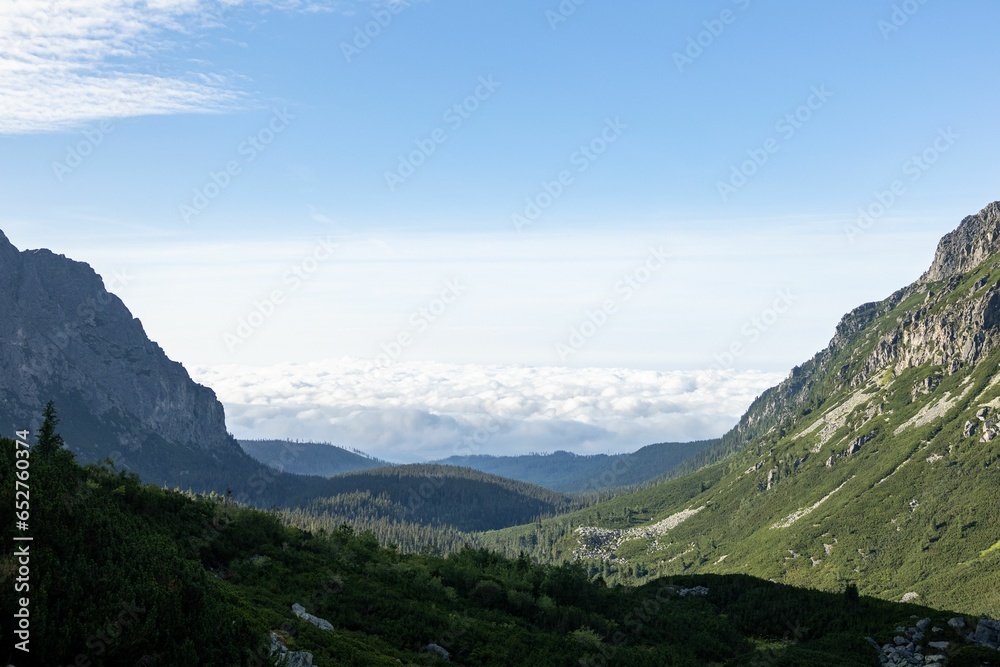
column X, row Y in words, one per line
column 863, row 484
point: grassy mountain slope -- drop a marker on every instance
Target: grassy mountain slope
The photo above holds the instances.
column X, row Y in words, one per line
column 572, row 473
column 860, row 467
column 308, row 458
column 128, row 574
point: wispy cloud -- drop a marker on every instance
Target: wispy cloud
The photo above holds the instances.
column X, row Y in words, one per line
column 68, row 62
column 421, row 410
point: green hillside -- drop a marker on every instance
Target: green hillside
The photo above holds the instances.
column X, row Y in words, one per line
column 308, row 458
column 123, row 573
column 874, row 463
column 572, row 473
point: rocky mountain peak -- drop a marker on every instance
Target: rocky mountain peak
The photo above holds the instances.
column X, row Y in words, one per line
column 63, row 336
column 975, row 239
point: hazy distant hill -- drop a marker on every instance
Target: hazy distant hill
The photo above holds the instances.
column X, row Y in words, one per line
column 559, row 471
column 308, row 458
column 567, row 472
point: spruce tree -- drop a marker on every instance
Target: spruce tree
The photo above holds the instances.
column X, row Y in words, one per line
column 49, row 441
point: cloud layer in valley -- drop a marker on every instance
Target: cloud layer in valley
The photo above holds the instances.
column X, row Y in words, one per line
column 416, row 411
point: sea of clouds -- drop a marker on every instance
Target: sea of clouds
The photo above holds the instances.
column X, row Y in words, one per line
column 421, row 411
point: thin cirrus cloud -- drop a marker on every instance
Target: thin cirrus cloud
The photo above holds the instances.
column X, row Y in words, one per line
column 419, row 411
column 68, row 62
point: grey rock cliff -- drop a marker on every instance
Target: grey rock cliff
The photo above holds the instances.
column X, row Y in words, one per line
column 975, row 239
column 64, row 337
column 60, row 326
column 953, row 324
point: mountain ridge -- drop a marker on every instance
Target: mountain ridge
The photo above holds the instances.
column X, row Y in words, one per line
column 887, row 440
column 62, row 348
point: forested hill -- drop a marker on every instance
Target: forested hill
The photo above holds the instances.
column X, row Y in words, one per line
column 308, row 458
column 122, row 573
column 437, row 496
column 573, row 473
column 559, row 471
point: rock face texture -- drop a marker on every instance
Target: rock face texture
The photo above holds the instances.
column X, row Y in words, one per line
column 977, row 237
column 61, row 328
column 952, row 319
column 64, row 337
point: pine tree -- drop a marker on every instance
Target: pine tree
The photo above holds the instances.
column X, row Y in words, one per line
column 852, row 598
column 49, row 441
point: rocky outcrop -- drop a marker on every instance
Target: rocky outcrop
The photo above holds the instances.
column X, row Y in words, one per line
column 852, row 449
column 951, row 326
column 62, row 332
column 923, row 644
column 943, row 331
column 65, row 337
column 286, row 657
column 977, row 237
column 320, row 623
column 987, row 633
column 439, row 651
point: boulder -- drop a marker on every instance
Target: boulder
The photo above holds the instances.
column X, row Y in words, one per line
column 957, row 623
column 987, row 633
column 982, row 414
column 288, row 658
column 440, row 651
column 320, row 623
column 940, row 646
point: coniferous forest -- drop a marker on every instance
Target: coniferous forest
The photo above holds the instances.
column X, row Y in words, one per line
column 124, row 573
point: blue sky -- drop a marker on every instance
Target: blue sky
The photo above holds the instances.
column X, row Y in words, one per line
column 890, row 95
column 227, row 141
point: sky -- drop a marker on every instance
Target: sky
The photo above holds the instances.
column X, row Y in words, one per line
column 494, row 192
